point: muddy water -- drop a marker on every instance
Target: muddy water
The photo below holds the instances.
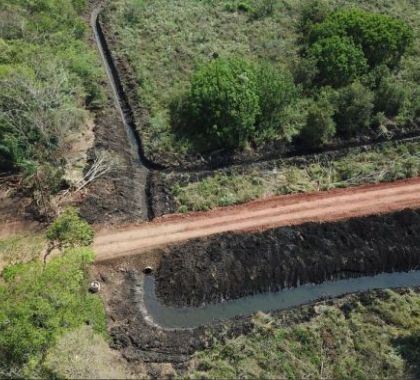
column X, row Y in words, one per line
column 189, row 317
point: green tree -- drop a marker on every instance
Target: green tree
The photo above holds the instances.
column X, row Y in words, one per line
column 39, row 303
column 319, row 127
column 70, row 230
column 312, row 12
column 391, row 96
column 383, row 39
column 354, row 109
column 223, row 104
column 338, row 59
column 276, row 91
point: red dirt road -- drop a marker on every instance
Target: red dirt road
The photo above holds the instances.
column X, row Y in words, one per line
column 266, row 213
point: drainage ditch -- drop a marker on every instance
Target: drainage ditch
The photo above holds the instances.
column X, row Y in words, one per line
column 170, row 317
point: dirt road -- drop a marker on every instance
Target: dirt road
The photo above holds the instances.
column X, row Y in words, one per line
column 262, row 214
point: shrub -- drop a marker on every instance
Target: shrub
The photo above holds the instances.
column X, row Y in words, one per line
column 354, row 109
column 70, row 230
column 338, row 59
column 306, row 72
column 319, row 127
column 36, row 117
column 312, row 12
column 222, row 104
column 238, row 6
column 390, row 96
column 276, row 90
column 48, row 77
column 383, row 39
column 263, row 8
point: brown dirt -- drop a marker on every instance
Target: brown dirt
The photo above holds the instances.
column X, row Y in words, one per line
column 263, row 214
column 14, row 217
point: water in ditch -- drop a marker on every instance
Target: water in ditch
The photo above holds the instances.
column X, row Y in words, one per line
column 189, row 317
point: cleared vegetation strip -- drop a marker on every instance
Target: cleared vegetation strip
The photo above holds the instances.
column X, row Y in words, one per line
column 279, row 211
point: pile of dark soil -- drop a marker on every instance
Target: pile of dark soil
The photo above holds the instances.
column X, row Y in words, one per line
column 233, row 265
column 118, row 196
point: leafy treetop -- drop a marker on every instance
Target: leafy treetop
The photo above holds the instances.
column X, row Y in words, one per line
column 70, row 230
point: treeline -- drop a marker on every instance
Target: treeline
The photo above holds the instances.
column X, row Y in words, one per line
column 349, row 83
column 49, row 79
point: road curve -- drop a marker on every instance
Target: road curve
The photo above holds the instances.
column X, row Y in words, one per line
column 266, row 213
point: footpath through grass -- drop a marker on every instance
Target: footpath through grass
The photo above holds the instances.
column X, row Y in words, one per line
column 382, row 164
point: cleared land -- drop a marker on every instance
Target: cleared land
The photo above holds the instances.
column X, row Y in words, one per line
column 272, row 212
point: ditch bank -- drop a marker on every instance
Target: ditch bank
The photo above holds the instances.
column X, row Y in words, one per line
column 167, row 352
column 231, row 265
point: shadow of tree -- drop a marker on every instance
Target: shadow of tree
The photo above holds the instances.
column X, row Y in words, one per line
column 409, row 348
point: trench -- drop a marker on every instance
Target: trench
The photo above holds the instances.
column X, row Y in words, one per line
column 172, row 317
column 121, row 102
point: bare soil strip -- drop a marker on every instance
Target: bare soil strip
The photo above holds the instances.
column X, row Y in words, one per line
column 267, row 213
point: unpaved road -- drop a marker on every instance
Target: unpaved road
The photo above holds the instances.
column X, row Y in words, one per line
column 272, row 212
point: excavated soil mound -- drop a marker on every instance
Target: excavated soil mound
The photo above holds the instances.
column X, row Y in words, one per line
column 232, row 265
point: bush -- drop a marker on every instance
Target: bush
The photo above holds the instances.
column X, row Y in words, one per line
column 391, row 96
column 354, row 109
column 319, row 127
column 48, row 77
column 312, row 12
column 70, row 230
column 383, row 39
column 276, row 91
column 339, row 60
column 263, row 8
column 222, row 105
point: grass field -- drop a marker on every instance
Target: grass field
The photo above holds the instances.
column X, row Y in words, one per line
column 387, row 163
column 163, row 42
column 378, row 339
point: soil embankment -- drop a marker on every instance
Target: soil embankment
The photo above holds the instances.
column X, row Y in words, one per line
column 162, row 352
column 233, row 265
column 267, row 213
column 121, row 195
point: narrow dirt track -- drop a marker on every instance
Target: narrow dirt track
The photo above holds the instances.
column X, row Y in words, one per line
column 262, row 214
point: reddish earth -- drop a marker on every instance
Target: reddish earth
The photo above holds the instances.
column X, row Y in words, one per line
column 263, row 214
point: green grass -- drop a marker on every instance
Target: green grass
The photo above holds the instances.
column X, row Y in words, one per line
column 165, row 40
column 83, row 354
column 19, row 249
column 389, row 163
column 380, row 340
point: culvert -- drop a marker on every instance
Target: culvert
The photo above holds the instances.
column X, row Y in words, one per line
column 148, row 270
